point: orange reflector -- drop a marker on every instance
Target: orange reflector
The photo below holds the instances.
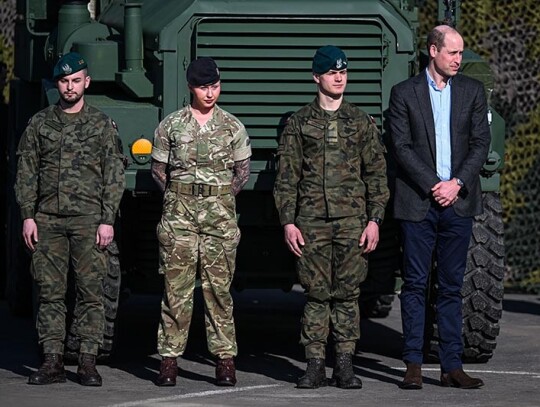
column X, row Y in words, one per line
column 141, row 146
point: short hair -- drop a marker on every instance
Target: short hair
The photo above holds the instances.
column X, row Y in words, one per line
column 435, row 37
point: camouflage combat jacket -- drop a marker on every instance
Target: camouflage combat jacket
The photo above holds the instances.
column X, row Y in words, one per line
column 70, row 166
column 201, row 155
column 330, row 165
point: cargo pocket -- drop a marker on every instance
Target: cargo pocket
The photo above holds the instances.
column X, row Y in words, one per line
column 313, row 130
column 36, row 259
column 170, row 202
column 90, row 143
column 221, row 154
column 229, row 253
column 166, row 247
column 183, row 150
column 85, row 159
column 52, row 139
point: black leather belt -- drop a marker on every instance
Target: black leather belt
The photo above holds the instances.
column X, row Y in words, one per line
column 199, row 189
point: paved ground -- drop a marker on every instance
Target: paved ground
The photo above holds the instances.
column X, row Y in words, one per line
column 270, row 361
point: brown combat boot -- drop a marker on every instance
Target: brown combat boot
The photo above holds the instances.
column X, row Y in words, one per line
column 315, row 375
column 87, row 372
column 168, row 370
column 343, row 376
column 458, row 378
column 225, row 372
column 50, row 371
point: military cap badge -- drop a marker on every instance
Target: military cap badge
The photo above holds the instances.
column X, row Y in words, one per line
column 70, row 63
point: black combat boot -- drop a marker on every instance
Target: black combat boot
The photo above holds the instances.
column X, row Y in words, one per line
column 168, row 370
column 87, row 372
column 315, row 375
column 343, row 376
column 51, row 370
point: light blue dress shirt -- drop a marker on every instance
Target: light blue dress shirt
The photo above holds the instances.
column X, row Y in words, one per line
column 440, row 105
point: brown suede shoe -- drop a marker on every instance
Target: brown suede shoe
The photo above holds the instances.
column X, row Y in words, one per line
column 225, row 372
column 413, row 377
column 458, row 378
column 168, row 370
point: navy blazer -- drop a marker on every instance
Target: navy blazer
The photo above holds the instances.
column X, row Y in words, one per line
column 412, row 134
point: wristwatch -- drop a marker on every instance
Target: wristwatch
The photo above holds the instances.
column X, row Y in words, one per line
column 459, row 182
column 377, row 220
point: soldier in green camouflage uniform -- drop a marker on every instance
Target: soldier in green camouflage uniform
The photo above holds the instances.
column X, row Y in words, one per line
column 330, row 192
column 70, row 179
column 201, row 161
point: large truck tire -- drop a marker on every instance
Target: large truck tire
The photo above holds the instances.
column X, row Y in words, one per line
column 483, row 284
column 111, row 295
column 482, row 290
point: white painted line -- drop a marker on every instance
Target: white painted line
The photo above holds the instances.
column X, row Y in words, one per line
column 191, row 395
column 519, row 373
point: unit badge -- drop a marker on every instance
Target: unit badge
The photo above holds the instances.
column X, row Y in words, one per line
column 66, row 69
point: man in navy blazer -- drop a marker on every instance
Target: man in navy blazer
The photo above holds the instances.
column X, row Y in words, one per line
column 440, row 138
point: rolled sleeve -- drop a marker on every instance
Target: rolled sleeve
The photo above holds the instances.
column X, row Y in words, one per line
column 161, row 145
column 241, row 145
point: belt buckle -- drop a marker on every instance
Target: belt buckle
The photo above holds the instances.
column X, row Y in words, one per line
column 201, row 189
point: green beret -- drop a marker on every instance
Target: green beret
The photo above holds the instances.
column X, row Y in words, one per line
column 70, row 63
column 327, row 58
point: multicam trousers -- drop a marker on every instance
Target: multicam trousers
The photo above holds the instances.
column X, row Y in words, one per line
column 197, row 234
column 330, row 270
column 65, row 239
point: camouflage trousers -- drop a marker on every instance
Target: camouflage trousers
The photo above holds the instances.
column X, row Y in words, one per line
column 65, row 240
column 197, row 234
column 330, row 270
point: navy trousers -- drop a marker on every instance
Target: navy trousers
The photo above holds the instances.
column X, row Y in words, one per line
column 449, row 235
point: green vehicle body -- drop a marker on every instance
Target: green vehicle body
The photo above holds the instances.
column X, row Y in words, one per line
column 138, row 52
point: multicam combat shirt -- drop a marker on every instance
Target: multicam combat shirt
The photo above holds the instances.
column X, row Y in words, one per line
column 70, row 165
column 330, row 165
column 201, row 155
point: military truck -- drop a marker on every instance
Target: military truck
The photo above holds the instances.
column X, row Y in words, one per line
column 138, row 52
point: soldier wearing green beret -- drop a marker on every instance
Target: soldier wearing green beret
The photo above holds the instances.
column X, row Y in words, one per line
column 331, row 192
column 70, row 179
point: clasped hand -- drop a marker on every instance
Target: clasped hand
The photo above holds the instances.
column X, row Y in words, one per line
column 445, row 193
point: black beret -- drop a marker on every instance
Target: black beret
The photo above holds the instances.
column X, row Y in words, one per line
column 327, row 58
column 202, row 71
column 70, row 63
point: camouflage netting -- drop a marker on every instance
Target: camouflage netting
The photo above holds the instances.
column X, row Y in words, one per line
column 7, row 26
column 506, row 34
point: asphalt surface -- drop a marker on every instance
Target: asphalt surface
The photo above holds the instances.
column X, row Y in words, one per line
column 270, row 361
